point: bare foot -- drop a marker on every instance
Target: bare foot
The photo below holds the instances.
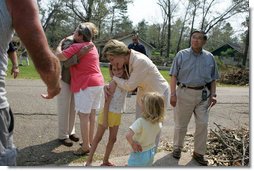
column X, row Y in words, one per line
column 87, row 164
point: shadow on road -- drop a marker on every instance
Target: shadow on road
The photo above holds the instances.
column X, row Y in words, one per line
column 44, row 154
column 169, row 161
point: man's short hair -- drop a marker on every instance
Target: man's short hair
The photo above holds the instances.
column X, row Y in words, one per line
column 200, row 31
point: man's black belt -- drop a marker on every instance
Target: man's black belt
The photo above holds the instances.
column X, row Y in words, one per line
column 194, row 88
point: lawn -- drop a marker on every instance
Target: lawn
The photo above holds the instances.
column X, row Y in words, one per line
column 29, row 72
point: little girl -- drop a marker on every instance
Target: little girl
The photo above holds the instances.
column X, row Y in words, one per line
column 142, row 133
column 110, row 117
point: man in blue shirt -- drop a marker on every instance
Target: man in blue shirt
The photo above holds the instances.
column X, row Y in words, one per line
column 195, row 72
column 136, row 45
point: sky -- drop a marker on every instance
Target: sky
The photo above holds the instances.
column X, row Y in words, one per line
column 144, row 9
column 151, row 12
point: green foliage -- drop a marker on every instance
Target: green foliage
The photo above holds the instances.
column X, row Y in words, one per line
column 29, row 72
column 105, row 73
column 228, row 53
column 157, row 60
column 25, row 72
column 220, row 64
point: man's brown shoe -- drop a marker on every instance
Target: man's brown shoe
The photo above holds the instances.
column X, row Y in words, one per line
column 74, row 137
column 67, row 142
column 177, row 153
column 200, row 159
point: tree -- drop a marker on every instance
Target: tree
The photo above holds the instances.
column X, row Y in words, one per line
column 84, row 13
column 57, row 22
column 208, row 22
column 168, row 8
column 246, row 49
column 183, row 27
column 125, row 26
column 117, row 10
column 142, row 29
column 195, row 4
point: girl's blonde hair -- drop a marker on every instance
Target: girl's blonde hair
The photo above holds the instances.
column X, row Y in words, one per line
column 115, row 48
column 153, row 106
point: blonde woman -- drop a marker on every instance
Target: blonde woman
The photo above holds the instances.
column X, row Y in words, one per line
column 142, row 133
column 143, row 73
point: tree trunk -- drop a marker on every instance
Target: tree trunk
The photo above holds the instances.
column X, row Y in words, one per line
column 182, row 30
column 246, row 50
column 169, row 29
column 112, row 21
column 192, row 23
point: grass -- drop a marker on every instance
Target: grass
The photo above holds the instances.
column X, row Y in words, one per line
column 29, row 72
column 25, row 72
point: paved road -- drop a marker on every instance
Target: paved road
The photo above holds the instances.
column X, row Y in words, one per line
column 36, row 125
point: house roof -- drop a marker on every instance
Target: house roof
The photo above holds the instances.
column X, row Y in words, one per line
column 234, row 46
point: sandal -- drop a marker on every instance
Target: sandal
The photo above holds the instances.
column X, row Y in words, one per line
column 81, row 152
column 107, row 164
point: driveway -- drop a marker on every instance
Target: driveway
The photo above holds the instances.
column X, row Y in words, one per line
column 35, row 132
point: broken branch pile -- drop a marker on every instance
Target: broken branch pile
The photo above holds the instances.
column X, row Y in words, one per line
column 228, row 147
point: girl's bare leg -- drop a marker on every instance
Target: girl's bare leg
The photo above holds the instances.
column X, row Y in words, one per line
column 98, row 136
column 111, row 141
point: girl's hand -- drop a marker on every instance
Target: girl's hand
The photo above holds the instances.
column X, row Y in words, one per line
column 107, row 92
column 136, row 147
column 105, row 124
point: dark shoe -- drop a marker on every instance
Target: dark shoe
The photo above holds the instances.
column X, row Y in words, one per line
column 74, row 137
column 177, row 153
column 67, row 142
column 200, row 159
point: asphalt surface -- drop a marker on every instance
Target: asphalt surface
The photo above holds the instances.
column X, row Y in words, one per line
column 35, row 133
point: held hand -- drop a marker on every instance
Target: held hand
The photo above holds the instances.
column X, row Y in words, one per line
column 136, row 147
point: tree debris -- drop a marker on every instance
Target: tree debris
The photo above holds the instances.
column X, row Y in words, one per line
column 227, row 147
